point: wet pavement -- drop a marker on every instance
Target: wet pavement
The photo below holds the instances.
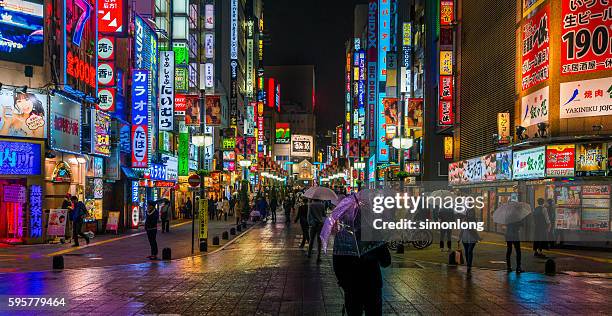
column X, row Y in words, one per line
column 110, row 249
column 265, row 273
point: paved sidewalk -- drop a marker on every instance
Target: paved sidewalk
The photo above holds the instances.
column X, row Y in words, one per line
column 110, row 249
column 490, row 253
column 264, row 273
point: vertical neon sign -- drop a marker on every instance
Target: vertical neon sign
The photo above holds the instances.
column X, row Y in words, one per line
column 384, row 37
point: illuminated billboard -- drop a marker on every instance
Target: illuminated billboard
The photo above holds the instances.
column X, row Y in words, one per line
column 21, row 36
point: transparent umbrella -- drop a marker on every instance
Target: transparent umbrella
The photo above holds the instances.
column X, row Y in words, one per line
column 320, row 193
column 512, row 212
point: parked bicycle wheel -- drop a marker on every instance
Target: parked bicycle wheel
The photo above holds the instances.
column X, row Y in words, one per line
column 422, row 239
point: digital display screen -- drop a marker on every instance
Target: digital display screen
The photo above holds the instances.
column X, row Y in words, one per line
column 21, row 31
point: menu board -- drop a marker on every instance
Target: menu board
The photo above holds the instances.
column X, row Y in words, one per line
column 568, row 218
column 596, row 208
column 568, row 207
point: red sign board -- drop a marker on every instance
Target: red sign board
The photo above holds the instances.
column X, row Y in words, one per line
column 194, row 180
column 271, row 93
column 560, row 160
column 445, row 113
column 110, row 16
column 447, row 12
column 535, row 44
column 446, row 87
column 165, row 184
column 180, row 104
column 586, row 36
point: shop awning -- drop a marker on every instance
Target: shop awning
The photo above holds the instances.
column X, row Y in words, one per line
column 130, row 173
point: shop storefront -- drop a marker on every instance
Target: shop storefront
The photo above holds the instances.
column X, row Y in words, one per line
column 21, row 191
column 576, row 178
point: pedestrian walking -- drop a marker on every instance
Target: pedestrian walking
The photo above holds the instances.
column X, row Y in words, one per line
column 469, row 238
column 316, row 217
column 552, row 233
column 361, row 280
column 151, row 229
column 273, row 206
column 164, row 212
column 78, row 215
column 189, row 208
column 302, row 217
column 287, row 207
column 262, row 207
column 512, row 237
column 225, row 208
column 445, row 216
column 542, row 228
column 67, row 205
column 232, row 205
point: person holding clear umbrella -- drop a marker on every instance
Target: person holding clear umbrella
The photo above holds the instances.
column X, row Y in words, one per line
column 512, row 215
column 357, row 264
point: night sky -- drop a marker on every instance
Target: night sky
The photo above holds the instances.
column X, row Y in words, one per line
column 313, row 33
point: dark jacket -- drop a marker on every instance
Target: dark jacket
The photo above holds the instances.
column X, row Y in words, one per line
column 513, row 231
column 151, row 220
column 364, row 271
column 302, row 215
column 79, row 212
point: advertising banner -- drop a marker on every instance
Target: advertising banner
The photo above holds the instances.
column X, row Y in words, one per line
column 414, row 113
column 560, row 160
column 180, row 104
column 456, row 173
column 446, row 116
column 503, row 127
column 166, row 91
column 22, row 39
column 586, row 98
column 534, row 108
column 384, row 45
column 372, row 58
column 110, row 16
column 391, row 115
column 56, row 226
column 301, row 146
column 503, row 165
column 183, row 150
column 447, row 12
column 591, row 159
column 20, row 158
column 535, row 44
column 283, row 133
column 448, row 147
column 192, row 113
column 474, row 170
column 203, row 212
column 446, row 63
column 23, row 114
column 140, row 118
column 529, row 164
column 213, row 110
column 100, row 133
column 586, row 44
column 596, row 207
column 111, row 165
column 113, row 221
column 171, row 167
column 65, row 129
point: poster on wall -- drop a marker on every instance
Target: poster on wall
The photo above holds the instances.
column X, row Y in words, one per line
column 23, row 114
column 529, row 164
column 591, row 159
column 65, row 128
column 585, row 36
column 474, row 170
column 503, row 165
column 56, row 225
column 100, row 133
column 456, row 173
column 560, row 160
column 586, row 98
column 21, row 39
column 596, row 207
column 213, row 110
column 535, row 45
column 567, row 218
column 414, row 113
column 534, row 108
column 390, row 112
column 192, row 113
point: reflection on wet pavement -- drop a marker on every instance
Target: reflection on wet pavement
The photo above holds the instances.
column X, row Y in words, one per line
column 266, row 273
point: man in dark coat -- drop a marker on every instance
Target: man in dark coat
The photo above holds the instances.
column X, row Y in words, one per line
column 78, row 215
